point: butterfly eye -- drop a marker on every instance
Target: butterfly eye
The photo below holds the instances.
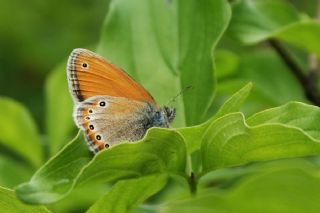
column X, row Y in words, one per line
column 98, row 137
column 84, row 65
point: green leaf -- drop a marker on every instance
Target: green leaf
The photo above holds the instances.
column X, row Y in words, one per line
column 234, row 103
column 230, row 141
column 296, row 114
column 59, row 122
column 162, row 150
column 274, row 19
column 9, row 203
column 13, row 172
column 274, row 85
column 286, row 189
column 19, row 132
column 254, row 21
column 164, row 50
column 227, row 63
column 126, row 195
column 54, row 179
column 302, row 34
column 193, row 135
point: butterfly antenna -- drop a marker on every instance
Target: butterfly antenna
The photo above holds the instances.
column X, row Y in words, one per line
column 177, row 95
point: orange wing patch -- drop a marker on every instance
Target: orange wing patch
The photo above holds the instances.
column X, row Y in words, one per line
column 90, row 75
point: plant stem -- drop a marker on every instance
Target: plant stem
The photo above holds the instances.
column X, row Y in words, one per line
column 308, row 83
column 193, row 184
column 313, row 59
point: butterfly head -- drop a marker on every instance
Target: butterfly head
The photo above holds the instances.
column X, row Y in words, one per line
column 162, row 117
column 170, row 113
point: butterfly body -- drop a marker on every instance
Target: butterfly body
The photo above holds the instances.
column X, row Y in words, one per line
column 110, row 106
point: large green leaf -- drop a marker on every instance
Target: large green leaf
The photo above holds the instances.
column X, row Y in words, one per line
column 290, row 188
column 162, row 150
column 9, row 203
column 53, row 180
column 166, row 51
column 13, row 172
column 59, row 121
column 19, row 132
column 230, row 141
column 125, row 195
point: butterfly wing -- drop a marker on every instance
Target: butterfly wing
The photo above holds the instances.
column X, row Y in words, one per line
column 90, row 75
column 108, row 120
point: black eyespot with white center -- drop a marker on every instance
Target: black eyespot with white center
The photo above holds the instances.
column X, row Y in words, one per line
column 91, row 127
column 102, row 103
column 98, row 137
column 106, row 145
column 84, row 65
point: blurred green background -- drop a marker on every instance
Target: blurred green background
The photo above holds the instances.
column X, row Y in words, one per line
column 36, row 36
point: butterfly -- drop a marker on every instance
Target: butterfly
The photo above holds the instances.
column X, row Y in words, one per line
column 109, row 106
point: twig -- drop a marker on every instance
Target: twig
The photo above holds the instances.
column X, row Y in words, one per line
column 308, row 83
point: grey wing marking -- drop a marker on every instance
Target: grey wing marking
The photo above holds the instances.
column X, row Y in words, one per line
column 110, row 120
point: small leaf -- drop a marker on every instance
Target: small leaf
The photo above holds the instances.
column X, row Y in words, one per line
column 229, row 141
column 274, row 19
column 269, row 17
column 193, row 135
column 59, row 122
column 162, row 150
column 296, row 114
column 9, row 203
column 19, row 132
column 125, row 195
column 302, row 34
column 234, row 103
